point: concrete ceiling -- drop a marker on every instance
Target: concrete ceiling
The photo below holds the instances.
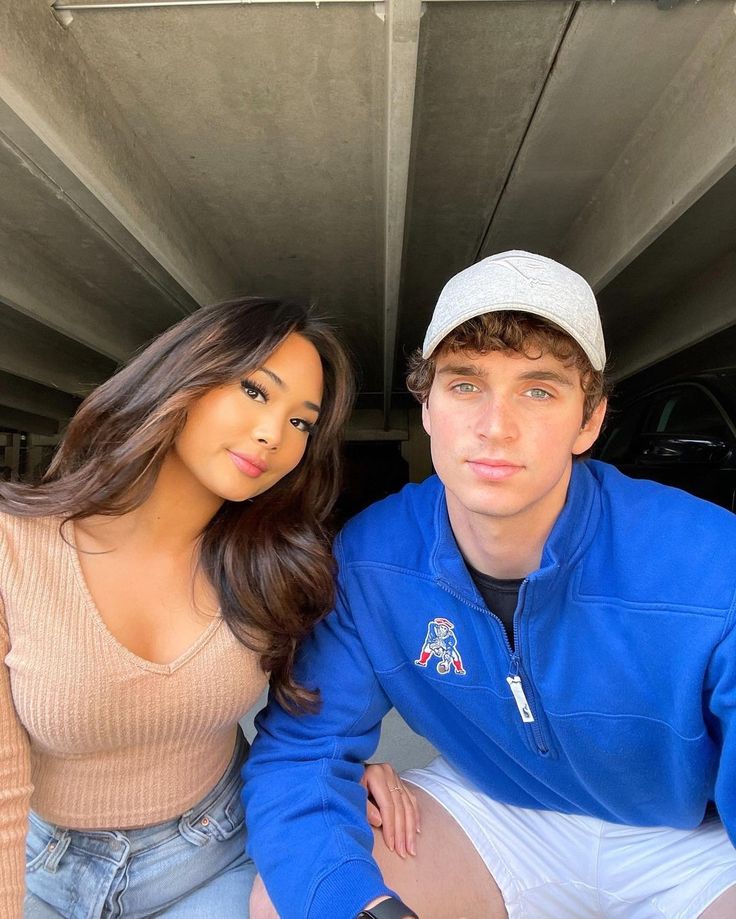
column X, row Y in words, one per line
column 356, row 154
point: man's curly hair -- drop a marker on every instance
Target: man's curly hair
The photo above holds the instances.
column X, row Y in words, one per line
column 521, row 333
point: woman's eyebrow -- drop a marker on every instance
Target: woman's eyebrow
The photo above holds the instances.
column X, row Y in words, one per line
column 275, row 377
column 280, row 383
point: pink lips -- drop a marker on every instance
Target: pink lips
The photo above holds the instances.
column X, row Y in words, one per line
column 248, row 465
column 493, row 470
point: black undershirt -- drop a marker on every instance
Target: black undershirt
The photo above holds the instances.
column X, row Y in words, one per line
column 501, row 596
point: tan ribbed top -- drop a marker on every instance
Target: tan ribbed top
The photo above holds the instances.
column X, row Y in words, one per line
column 91, row 735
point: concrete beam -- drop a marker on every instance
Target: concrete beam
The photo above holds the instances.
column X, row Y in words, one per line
column 46, row 295
column 685, row 144
column 26, row 421
column 681, row 318
column 27, row 396
column 402, row 40
column 481, row 68
column 31, row 351
column 58, row 267
column 64, row 119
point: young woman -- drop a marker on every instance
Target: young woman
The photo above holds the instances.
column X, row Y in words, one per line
column 174, row 555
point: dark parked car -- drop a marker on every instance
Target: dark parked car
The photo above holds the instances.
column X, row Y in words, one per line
column 681, row 433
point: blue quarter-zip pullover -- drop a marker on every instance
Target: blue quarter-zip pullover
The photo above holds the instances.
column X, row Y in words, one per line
column 617, row 701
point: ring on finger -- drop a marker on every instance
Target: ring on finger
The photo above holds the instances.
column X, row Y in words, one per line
column 397, row 788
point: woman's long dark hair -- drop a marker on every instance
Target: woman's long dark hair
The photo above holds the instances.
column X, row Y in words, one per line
column 269, row 560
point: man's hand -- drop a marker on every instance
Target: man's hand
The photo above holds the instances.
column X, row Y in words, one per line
column 393, row 807
column 261, row 906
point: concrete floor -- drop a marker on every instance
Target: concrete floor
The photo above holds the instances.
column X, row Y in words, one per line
column 399, row 745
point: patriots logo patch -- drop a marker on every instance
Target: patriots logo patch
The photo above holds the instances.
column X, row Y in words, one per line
column 441, row 642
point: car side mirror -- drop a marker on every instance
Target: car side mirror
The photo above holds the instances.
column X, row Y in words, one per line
column 665, row 448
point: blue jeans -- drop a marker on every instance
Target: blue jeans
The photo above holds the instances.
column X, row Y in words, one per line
column 191, row 867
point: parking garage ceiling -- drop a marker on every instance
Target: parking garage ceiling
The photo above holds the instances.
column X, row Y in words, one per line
column 155, row 157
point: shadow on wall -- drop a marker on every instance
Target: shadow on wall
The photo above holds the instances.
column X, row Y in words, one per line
column 371, row 471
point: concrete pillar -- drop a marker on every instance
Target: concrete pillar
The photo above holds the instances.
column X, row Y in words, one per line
column 415, row 449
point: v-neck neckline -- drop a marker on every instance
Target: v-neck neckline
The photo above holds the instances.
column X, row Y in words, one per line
column 135, row 659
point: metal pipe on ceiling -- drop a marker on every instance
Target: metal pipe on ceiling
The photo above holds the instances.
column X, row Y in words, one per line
column 143, row 4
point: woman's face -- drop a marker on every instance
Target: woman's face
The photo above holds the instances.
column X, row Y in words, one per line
column 242, row 438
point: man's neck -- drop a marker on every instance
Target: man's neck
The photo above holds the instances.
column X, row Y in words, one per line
column 493, row 550
column 504, row 547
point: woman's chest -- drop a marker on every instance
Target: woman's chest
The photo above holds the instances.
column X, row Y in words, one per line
column 77, row 689
column 156, row 607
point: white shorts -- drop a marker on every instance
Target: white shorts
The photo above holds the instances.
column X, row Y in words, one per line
column 558, row 866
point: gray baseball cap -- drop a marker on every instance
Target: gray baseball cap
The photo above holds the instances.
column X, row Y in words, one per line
column 526, row 283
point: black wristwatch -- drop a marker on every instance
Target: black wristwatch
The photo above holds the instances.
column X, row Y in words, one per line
column 387, row 909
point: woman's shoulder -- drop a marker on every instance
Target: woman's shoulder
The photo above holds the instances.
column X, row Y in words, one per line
column 32, row 554
column 27, row 532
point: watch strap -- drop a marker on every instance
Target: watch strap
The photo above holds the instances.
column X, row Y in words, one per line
column 387, row 909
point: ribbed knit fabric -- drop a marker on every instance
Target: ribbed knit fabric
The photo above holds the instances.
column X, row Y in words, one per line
column 91, row 735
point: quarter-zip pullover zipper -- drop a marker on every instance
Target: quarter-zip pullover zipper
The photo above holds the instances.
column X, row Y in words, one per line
column 514, row 680
column 524, row 699
column 517, row 691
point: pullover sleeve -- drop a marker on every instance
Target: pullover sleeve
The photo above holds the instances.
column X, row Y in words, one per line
column 15, row 789
column 306, row 812
column 720, row 699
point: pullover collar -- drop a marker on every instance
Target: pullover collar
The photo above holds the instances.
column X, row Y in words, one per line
column 570, row 536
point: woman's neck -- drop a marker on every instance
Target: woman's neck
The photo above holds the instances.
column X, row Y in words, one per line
column 171, row 519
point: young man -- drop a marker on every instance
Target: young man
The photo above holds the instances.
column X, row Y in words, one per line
column 562, row 634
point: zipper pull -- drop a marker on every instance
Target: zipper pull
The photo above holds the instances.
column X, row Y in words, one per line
column 517, row 690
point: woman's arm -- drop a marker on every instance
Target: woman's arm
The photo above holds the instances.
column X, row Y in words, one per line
column 15, row 790
column 392, row 806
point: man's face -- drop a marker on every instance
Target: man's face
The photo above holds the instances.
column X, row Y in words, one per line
column 503, row 432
